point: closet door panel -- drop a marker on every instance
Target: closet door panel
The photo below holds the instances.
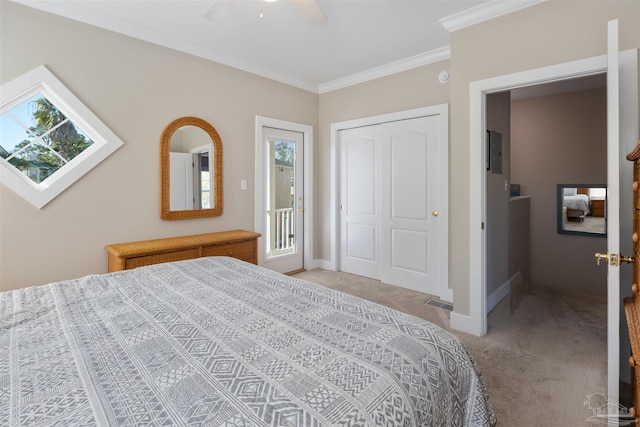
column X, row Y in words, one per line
column 359, row 204
column 408, row 236
column 408, row 177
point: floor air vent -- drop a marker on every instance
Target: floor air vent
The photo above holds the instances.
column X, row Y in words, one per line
column 440, row 304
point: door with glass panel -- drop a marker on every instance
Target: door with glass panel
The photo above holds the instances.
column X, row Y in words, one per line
column 284, row 200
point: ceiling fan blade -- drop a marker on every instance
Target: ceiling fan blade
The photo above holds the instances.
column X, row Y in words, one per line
column 219, row 9
column 311, row 11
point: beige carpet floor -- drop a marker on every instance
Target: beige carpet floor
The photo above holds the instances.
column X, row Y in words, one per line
column 543, row 356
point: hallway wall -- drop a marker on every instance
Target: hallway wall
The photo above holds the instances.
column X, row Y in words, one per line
column 560, row 139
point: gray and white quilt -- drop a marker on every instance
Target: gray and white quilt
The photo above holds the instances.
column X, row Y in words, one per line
column 219, row 342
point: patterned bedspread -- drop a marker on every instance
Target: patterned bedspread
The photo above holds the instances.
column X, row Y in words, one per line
column 219, row 342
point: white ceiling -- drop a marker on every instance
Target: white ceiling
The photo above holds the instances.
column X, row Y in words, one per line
column 362, row 39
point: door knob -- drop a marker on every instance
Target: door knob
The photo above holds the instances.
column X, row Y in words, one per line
column 627, row 259
column 614, row 259
column 434, row 213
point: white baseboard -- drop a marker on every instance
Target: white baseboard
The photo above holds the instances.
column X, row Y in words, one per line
column 464, row 323
column 322, row 264
column 503, row 291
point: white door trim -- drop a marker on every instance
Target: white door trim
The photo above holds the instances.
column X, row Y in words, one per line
column 260, row 203
column 475, row 322
column 443, row 111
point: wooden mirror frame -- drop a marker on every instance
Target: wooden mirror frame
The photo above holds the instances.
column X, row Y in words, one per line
column 165, row 144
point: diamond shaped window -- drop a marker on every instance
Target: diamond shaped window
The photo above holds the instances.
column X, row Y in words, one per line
column 38, row 139
column 48, row 138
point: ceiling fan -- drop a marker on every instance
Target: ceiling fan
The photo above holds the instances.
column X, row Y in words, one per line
column 309, row 9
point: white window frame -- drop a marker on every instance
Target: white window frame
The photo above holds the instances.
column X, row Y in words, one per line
column 105, row 142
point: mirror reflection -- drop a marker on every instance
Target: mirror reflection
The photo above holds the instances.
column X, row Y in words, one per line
column 191, row 170
column 582, row 209
column 191, row 178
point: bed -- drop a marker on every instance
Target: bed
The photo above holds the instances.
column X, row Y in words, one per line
column 577, row 203
column 217, row 341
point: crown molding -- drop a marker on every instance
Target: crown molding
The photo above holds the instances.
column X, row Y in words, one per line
column 481, row 13
column 405, row 64
column 77, row 12
column 484, row 12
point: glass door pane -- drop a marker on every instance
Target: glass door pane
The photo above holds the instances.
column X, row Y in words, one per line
column 281, row 223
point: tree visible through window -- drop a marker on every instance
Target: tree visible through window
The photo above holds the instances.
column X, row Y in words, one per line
column 48, row 138
column 38, row 139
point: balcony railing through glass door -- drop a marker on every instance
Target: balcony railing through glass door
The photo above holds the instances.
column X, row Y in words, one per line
column 281, row 231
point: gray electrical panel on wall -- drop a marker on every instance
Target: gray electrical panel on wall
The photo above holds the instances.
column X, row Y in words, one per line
column 494, row 148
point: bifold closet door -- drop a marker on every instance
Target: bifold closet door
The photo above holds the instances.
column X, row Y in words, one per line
column 388, row 200
column 408, row 234
column 359, row 216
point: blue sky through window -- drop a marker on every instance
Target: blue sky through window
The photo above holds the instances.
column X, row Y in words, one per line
column 61, row 140
column 62, row 153
column 11, row 133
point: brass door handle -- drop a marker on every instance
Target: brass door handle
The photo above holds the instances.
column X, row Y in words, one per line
column 614, row 259
column 434, row 213
column 627, row 259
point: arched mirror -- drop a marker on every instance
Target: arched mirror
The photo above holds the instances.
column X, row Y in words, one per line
column 190, row 170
